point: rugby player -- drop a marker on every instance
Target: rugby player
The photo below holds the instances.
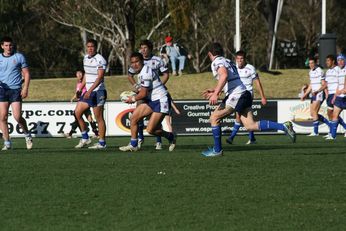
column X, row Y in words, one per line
column 157, row 65
column 157, row 104
column 248, row 76
column 332, row 79
column 95, row 97
column 316, row 87
column 339, row 98
column 13, row 67
column 237, row 99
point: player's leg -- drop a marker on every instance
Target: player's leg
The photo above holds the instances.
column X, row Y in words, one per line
column 182, row 59
column 4, row 125
column 235, row 129
column 339, row 105
column 91, row 121
column 98, row 112
column 79, row 110
column 334, row 122
column 140, row 127
column 138, row 114
column 17, row 115
column 215, row 118
column 314, row 108
column 265, row 125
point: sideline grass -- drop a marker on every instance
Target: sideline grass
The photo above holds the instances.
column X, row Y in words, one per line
column 285, row 85
column 274, row 185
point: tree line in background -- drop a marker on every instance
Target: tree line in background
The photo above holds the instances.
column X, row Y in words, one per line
column 52, row 33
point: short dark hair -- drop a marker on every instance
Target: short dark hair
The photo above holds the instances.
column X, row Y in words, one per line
column 137, row 55
column 6, row 39
column 312, row 59
column 93, row 41
column 147, row 43
column 241, row 53
column 331, row 57
column 216, row 49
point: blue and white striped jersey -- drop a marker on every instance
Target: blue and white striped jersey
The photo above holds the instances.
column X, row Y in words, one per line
column 341, row 80
column 233, row 86
column 331, row 78
column 150, row 79
column 247, row 75
column 316, row 76
column 91, row 67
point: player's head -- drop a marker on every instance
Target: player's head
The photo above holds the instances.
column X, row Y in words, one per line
column 312, row 62
column 240, row 58
column 137, row 61
column 80, row 75
column 215, row 49
column 146, row 46
column 91, row 46
column 330, row 61
column 7, row 45
column 341, row 60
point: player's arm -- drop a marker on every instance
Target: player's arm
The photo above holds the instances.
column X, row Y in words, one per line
column 322, row 88
column 306, row 93
column 26, row 77
column 260, row 90
column 176, row 110
column 214, row 96
column 143, row 92
column 164, row 78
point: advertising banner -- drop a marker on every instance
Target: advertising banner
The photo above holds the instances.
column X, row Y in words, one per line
column 194, row 117
column 47, row 119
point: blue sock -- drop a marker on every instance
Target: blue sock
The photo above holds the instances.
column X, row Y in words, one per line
column 85, row 135
column 342, row 122
column 333, row 128
column 102, row 142
column 265, row 125
column 315, row 124
column 235, row 130
column 140, row 130
column 134, row 142
column 217, row 138
column 158, row 139
column 252, row 136
column 322, row 119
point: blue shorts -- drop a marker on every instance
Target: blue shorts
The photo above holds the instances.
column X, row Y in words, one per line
column 340, row 102
column 329, row 101
column 10, row 95
column 244, row 102
column 96, row 99
column 162, row 105
column 318, row 97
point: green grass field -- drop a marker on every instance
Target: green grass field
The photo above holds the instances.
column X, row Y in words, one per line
column 273, row 185
column 285, row 85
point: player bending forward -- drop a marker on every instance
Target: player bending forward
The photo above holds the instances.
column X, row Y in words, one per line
column 157, row 104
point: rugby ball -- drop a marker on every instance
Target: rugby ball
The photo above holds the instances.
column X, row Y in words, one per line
column 126, row 94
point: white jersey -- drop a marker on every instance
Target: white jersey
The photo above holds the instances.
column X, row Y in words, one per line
column 247, row 75
column 341, row 80
column 233, row 86
column 91, row 67
column 331, row 78
column 150, row 79
column 316, row 76
column 155, row 63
